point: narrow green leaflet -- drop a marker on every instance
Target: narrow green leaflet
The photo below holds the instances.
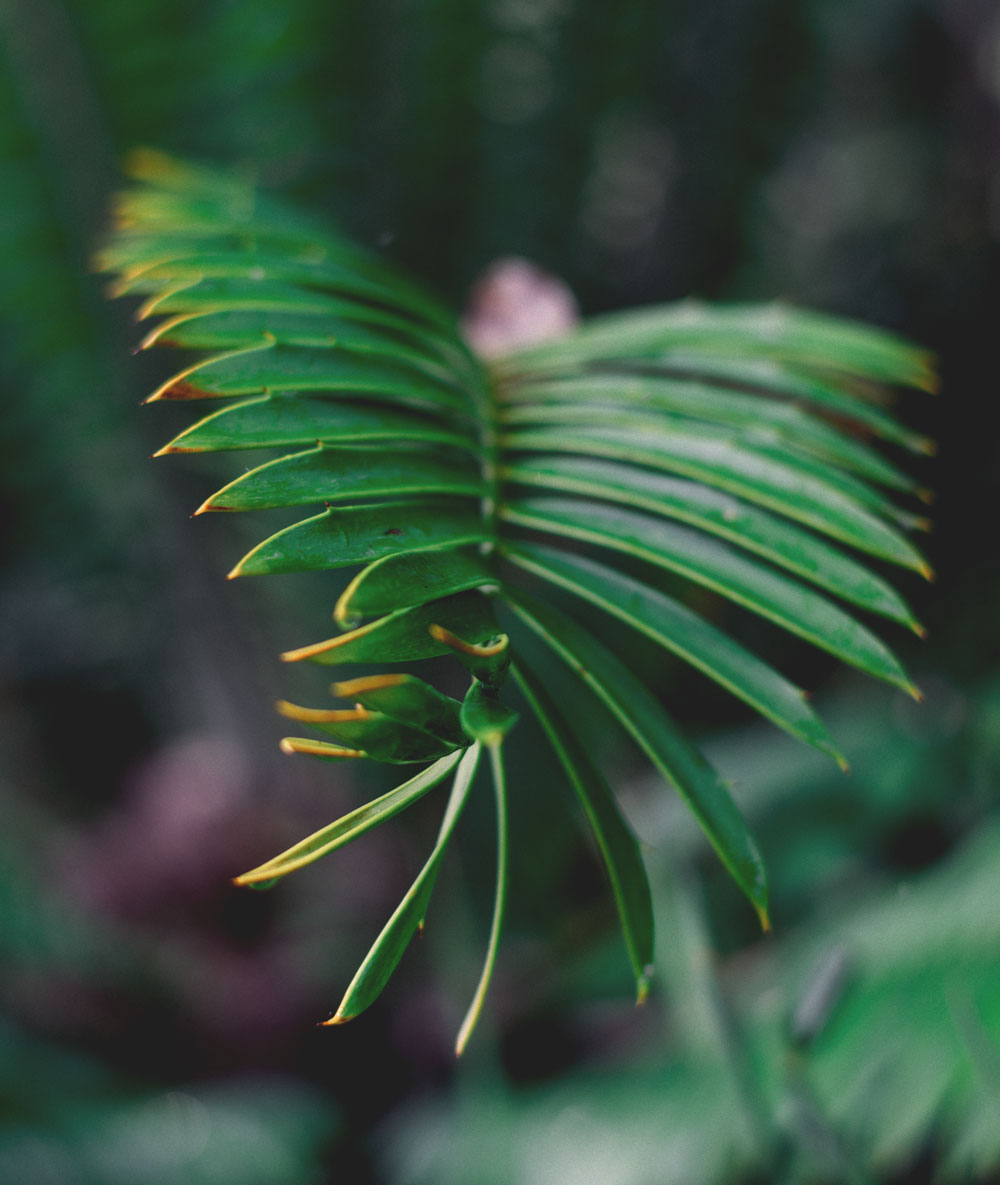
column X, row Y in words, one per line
column 645, row 719
column 350, row 826
column 275, row 368
column 187, row 297
column 398, row 581
column 237, row 329
column 756, row 447
column 741, row 470
column 281, row 421
column 381, row 737
column 768, row 331
column 188, row 300
column 325, row 274
column 683, row 633
column 716, row 566
column 720, row 514
column 802, row 385
column 331, row 474
column 618, row 846
column 405, row 697
column 406, row 635
column 499, row 903
column 384, row 956
column 601, row 398
column 344, row 535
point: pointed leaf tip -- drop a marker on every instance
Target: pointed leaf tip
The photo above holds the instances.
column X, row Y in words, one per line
column 643, row 984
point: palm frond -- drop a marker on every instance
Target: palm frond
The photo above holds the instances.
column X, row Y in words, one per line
column 726, row 447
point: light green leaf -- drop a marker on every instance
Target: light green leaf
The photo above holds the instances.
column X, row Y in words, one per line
column 350, row 826
column 384, row 956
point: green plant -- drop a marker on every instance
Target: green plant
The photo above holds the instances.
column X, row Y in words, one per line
column 723, row 446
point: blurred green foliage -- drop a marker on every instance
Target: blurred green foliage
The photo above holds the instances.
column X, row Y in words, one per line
column 841, row 155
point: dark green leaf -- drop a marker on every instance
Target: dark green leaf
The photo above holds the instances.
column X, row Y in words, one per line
column 601, row 399
column 768, row 331
column 274, row 368
column 330, row 474
column 345, row 535
column 742, row 470
column 407, row 698
column 831, row 395
column 398, row 581
column 282, row 421
column 718, row 567
column 485, row 717
column 237, row 329
column 378, row 736
column 406, row 635
column 684, row 633
column 720, row 514
column 282, row 268
column 642, row 715
column 618, row 846
column 224, row 294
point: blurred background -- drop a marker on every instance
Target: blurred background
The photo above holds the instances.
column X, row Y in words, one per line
column 157, row 1026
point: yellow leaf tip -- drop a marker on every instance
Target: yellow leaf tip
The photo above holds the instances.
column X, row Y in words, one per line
column 337, row 1019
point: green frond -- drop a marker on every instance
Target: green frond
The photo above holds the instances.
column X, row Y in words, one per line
column 726, row 448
